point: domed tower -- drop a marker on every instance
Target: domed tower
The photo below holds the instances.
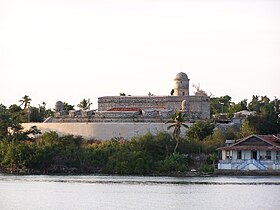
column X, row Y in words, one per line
column 58, row 106
column 181, row 85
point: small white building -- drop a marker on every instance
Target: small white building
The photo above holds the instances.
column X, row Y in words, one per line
column 255, row 152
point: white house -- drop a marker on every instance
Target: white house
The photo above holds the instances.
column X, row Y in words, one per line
column 255, row 152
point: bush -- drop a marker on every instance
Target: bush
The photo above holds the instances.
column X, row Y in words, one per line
column 175, row 162
column 206, row 169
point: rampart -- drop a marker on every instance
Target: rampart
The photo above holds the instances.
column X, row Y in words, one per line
column 101, row 131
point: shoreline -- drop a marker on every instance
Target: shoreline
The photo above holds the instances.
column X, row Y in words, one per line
column 216, row 173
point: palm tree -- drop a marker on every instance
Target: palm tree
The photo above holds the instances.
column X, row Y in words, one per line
column 84, row 104
column 25, row 101
column 177, row 121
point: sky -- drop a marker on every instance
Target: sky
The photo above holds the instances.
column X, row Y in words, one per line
column 68, row 50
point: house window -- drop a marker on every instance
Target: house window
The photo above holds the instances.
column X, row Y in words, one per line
column 239, row 154
column 228, row 154
column 268, row 155
column 278, row 155
column 220, row 155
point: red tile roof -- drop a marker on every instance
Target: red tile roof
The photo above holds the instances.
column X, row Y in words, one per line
column 125, row 109
column 271, row 139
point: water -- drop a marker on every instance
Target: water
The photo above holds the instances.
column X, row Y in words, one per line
column 129, row 192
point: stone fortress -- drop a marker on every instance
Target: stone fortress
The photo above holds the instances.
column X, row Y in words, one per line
column 141, row 108
column 128, row 116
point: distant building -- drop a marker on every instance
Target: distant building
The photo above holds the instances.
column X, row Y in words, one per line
column 241, row 116
column 148, row 108
column 255, row 152
column 128, row 116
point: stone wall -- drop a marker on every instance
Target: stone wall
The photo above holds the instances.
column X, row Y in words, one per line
column 116, row 116
column 198, row 107
column 101, row 131
column 144, row 102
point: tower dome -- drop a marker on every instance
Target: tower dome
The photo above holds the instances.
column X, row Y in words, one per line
column 182, row 76
column 58, row 106
column 181, row 84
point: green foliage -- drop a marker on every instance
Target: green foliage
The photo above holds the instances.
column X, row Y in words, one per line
column 233, row 108
column 200, row 130
column 36, row 115
column 25, row 101
column 84, row 104
column 67, row 107
column 51, row 153
column 246, row 130
column 126, row 161
column 220, row 104
column 4, row 121
column 177, row 122
column 175, row 162
column 206, row 168
column 266, row 120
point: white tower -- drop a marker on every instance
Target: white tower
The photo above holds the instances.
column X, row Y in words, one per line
column 181, row 85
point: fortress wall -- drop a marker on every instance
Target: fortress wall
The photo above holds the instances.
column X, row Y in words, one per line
column 159, row 102
column 199, row 107
column 101, row 131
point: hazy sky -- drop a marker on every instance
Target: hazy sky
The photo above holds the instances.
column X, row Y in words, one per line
column 73, row 49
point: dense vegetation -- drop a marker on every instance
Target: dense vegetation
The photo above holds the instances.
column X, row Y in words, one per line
column 165, row 153
column 147, row 154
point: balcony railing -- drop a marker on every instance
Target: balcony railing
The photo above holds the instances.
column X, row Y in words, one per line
column 240, row 161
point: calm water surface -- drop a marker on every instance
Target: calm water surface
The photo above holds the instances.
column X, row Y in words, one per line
column 126, row 192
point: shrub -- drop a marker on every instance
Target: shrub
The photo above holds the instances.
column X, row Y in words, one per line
column 175, row 162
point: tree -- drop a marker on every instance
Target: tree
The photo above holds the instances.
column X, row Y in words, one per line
column 200, row 130
column 44, row 112
column 4, row 121
column 177, row 121
column 67, row 107
column 220, row 104
column 25, row 101
column 36, row 115
column 246, row 130
column 266, row 119
column 84, row 104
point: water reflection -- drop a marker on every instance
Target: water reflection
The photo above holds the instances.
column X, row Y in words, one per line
column 242, row 180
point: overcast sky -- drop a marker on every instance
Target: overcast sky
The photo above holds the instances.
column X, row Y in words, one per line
column 68, row 50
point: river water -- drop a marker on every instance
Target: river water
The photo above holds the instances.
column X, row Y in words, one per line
column 132, row 192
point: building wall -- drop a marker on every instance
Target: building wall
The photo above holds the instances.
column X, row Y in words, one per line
column 233, row 163
column 145, row 102
column 101, row 131
column 247, row 154
column 198, row 107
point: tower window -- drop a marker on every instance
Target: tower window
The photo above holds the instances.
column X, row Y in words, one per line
column 183, row 93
